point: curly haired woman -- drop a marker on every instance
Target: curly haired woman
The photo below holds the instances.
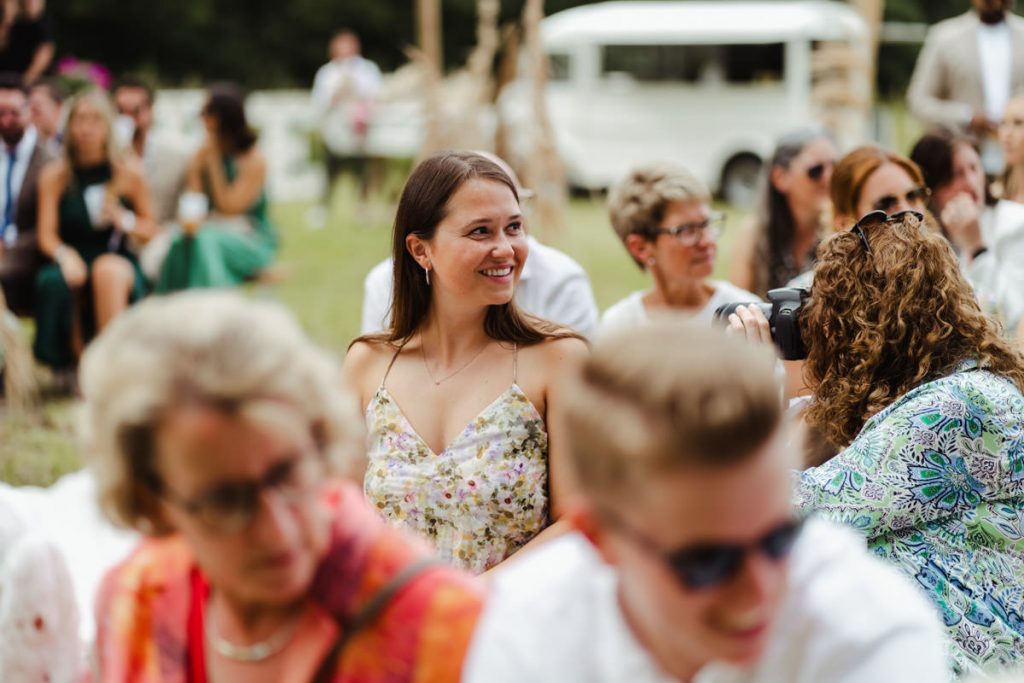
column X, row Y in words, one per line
column 918, row 386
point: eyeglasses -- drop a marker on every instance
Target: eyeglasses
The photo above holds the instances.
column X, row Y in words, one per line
column 688, row 234
column 818, row 170
column 877, row 218
column 231, row 507
column 706, row 565
column 915, row 197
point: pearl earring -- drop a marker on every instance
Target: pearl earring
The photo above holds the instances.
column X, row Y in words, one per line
column 650, row 261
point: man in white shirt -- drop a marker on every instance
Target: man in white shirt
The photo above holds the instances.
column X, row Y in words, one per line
column 969, row 67
column 552, row 285
column 22, row 159
column 343, row 96
column 687, row 562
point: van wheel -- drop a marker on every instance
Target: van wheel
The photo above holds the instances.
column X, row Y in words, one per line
column 740, row 180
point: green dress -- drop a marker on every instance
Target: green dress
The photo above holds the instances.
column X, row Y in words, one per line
column 54, row 300
column 219, row 257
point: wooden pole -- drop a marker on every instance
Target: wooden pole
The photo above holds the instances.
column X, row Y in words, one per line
column 428, row 20
column 545, row 173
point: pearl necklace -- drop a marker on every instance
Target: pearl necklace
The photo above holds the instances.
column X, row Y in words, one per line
column 257, row 652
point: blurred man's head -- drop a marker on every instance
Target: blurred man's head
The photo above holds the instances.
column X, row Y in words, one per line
column 13, row 108
column 45, row 101
column 344, row 44
column 134, row 99
column 684, row 487
column 992, row 11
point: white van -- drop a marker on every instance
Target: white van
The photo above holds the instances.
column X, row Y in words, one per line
column 710, row 85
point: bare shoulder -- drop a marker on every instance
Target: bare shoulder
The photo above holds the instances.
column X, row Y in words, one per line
column 364, row 365
column 253, row 159
column 53, row 171
column 556, row 353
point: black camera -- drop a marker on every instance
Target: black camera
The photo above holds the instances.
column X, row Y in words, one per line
column 783, row 313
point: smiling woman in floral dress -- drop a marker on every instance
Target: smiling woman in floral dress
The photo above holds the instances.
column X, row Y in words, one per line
column 461, row 393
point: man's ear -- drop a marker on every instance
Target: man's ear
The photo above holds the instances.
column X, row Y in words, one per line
column 583, row 517
column 419, row 249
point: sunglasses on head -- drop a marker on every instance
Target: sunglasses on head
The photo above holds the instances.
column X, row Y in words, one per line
column 876, row 218
column 706, row 565
column 915, row 197
column 818, row 170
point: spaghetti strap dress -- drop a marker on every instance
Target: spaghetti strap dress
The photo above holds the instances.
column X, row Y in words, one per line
column 481, row 498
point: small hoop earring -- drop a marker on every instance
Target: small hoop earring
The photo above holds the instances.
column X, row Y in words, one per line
column 651, row 261
column 426, row 274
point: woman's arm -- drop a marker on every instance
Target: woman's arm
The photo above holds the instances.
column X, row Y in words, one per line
column 40, row 60
column 236, row 196
column 139, row 221
column 51, row 186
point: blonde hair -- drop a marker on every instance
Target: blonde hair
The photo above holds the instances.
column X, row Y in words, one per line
column 637, row 203
column 101, row 100
column 211, row 348
column 666, row 395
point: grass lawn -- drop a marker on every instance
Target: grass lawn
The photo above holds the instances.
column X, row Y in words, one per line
column 324, row 289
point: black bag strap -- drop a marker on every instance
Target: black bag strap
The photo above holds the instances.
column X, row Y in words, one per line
column 368, row 614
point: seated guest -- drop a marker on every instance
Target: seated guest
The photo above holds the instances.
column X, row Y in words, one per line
column 780, row 242
column 1011, row 137
column 917, row 386
column 215, row 426
column 663, row 216
column 46, row 104
column 90, row 201
column 165, row 166
column 19, row 171
column 552, row 286
column 688, row 562
column 988, row 234
column 237, row 241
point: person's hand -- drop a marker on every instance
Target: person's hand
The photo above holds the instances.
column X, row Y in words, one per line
column 962, row 217
column 72, row 267
column 982, row 124
column 748, row 321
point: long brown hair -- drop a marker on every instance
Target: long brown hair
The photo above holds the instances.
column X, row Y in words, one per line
column 421, row 208
column 880, row 323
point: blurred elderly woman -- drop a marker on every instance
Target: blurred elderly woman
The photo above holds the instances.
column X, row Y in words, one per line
column 915, row 383
column 215, row 426
column 663, row 216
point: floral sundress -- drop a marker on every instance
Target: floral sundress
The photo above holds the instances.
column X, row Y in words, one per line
column 477, row 501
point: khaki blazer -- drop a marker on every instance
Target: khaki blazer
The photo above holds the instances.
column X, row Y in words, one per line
column 947, row 88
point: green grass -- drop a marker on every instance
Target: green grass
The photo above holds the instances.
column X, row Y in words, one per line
column 324, row 283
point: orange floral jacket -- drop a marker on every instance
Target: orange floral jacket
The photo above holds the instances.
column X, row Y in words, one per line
column 421, row 637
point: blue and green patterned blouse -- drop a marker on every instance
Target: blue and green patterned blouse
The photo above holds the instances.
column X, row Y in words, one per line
column 936, row 483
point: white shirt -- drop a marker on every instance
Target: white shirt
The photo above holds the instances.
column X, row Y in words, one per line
column 362, row 74
column 998, row 275
column 995, row 50
column 630, row 312
column 552, row 286
column 23, row 154
column 554, row 617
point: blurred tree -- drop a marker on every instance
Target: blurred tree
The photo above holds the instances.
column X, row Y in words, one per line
column 268, row 43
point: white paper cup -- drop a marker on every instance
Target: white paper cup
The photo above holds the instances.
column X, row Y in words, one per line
column 94, row 196
column 193, row 207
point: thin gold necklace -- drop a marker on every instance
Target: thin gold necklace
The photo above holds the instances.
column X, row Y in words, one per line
column 447, row 377
column 257, row 652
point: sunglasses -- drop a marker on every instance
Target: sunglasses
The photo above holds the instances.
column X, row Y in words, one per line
column 688, row 234
column 706, row 565
column 915, row 197
column 818, row 170
column 876, row 218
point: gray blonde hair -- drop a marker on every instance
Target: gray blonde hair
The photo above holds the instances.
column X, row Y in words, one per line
column 667, row 395
column 211, row 348
column 637, row 203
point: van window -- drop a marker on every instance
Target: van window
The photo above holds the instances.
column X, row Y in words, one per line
column 558, row 66
column 696, row 63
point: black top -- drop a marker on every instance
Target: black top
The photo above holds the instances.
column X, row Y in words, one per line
column 25, row 38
